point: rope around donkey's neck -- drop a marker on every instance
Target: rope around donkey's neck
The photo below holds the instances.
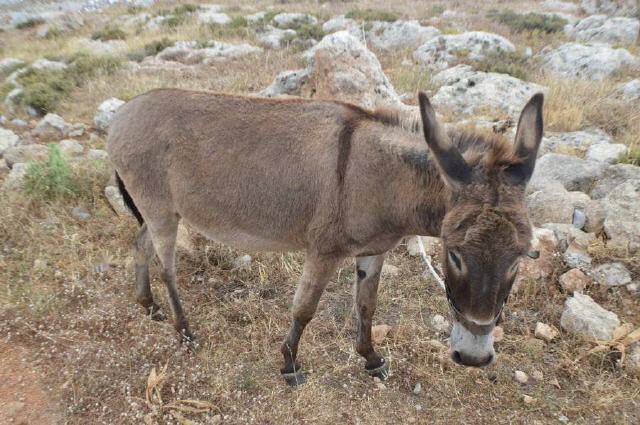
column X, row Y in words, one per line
column 427, row 259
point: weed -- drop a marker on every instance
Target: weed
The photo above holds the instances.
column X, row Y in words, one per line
column 109, row 33
column 150, row 49
column 510, row 63
column 55, row 179
column 308, row 31
column 372, row 15
column 529, row 21
column 44, row 89
column 631, row 157
column 29, row 23
column 238, row 27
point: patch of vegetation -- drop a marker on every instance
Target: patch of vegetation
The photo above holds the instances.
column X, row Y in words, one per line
column 55, row 179
column 134, row 10
column 631, row 157
column 109, row 32
column 436, row 9
column 510, row 63
column 238, row 27
column 5, row 89
column 372, row 15
column 44, row 89
column 150, row 49
column 307, row 31
column 178, row 16
column 529, row 21
column 185, row 9
column 29, row 23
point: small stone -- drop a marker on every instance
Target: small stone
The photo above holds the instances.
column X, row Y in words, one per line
column 376, row 380
column 575, row 280
column 39, row 264
column 521, row 377
column 418, row 407
column 527, row 399
column 577, row 256
column 15, row 178
column 70, row 148
column 498, row 334
column 612, row 274
column 52, row 125
column 8, row 139
column 76, row 130
column 389, row 270
column 633, row 287
column 19, row 122
column 102, row 268
column 242, row 262
column 545, row 332
column 440, row 324
column 80, row 213
column 417, row 389
column 114, row 197
column 97, row 155
column 537, row 375
column 106, row 111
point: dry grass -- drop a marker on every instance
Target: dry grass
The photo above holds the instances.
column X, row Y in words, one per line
column 85, row 327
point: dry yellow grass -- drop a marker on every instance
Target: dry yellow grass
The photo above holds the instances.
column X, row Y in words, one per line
column 93, row 347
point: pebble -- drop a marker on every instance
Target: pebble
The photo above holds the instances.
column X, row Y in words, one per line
column 498, row 334
column 521, row 377
column 417, row 389
column 80, row 213
column 545, row 332
column 527, row 399
column 440, row 324
column 244, row 261
column 537, row 375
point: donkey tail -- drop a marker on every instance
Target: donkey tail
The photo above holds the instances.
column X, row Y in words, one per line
column 128, row 201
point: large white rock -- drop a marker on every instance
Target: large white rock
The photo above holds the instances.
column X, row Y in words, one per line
column 574, row 142
column 274, row 38
column 466, row 92
column 52, row 125
column 606, row 152
column 564, row 208
column 287, row 83
column 26, row 153
column 15, row 178
column 591, row 62
column 7, row 64
column 630, row 90
column 106, row 111
column 622, row 222
column 212, row 15
column 8, row 139
column 290, row 20
column 443, row 51
column 612, row 274
column 611, row 7
column 340, row 23
column 400, row 34
column 583, row 316
column 573, row 173
column 341, row 67
column 613, row 177
column 603, row 29
column 216, row 51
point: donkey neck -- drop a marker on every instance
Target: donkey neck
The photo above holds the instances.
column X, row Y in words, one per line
column 408, row 187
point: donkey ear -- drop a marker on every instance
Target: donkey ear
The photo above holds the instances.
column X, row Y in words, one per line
column 453, row 168
column 528, row 137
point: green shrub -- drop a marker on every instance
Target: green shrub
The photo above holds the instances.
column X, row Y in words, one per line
column 514, row 64
column 44, row 89
column 185, row 9
column 30, row 23
column 631, row 157
column 372, row 15
column 238, row 22
column 150, row 49
column 134, row 10
column 529, row 21
column 307, row 31
column 109, row 33
column 56, row 179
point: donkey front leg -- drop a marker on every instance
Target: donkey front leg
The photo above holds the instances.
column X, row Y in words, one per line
column 366, row 296
column 317, row 273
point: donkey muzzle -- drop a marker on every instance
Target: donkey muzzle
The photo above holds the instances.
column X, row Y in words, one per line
column 471, row 349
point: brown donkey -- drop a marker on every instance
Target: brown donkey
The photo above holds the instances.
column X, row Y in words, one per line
column 337, row 181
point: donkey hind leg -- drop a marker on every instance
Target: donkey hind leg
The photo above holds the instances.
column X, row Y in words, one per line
column 164, row 234
column 143, row 253
column 317, row 273
column 366, row 295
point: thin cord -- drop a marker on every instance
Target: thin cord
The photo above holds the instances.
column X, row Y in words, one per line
column 427, row 259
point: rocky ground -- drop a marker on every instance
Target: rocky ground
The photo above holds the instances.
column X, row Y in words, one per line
column 76, row 348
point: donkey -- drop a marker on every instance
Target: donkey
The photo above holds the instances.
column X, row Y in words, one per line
column 337, row 181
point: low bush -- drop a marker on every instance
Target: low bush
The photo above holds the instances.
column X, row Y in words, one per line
column 372, row 15
column 514, row 64
column 529, row 21
column 109, row 33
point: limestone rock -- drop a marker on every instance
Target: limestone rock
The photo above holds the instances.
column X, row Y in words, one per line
column 400, row 34
column 612, row 274
column 583, row 316
column 106, row 111
column 575, row 280
column 591, row 62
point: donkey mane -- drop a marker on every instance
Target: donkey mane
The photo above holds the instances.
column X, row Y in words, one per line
column 489, row 150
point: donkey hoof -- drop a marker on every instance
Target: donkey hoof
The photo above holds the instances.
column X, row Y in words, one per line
column 157, row 315
column 379, row 371
column 293, row 379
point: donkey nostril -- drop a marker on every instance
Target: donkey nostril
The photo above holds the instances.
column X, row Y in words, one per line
column 457, row 357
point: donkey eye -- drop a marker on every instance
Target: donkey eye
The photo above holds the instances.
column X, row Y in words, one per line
column 455, row 259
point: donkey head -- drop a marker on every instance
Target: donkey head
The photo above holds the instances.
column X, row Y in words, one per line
column 486, row 229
